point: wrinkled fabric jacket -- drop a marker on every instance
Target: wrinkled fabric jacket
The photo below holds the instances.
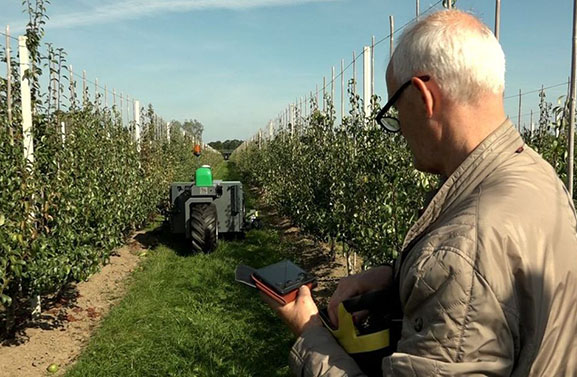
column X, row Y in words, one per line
column 490, row 286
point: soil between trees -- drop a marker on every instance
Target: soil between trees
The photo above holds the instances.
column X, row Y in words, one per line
column 67, row 323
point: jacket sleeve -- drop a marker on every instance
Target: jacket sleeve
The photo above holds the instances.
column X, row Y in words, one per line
column 316, row 353
column 453, row 325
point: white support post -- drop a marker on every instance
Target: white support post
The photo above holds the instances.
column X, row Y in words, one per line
column 324, row 94
column 291, row 119
column 9, row 85
column 391, row 36
column 137, row 123
column 84, row 90
column 519, row 115
column 26, row 99
column 333, row 86
column 168, row 131
column 96, row 100
column 418, row 10
column 26, row 106
column 128, row 112
column 63, row 131
column 298, row 113
column 58, row 83
column 270, row 130
column 105, row 96
column 342, row 90
column 354, row 74
column 573, row 92
column 372, row 66
column 121, row 109
column 497, row 18
column 367, row 81
column 50, row 90
column 71, row 88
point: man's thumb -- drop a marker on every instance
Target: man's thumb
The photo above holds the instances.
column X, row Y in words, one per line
column 304, row 291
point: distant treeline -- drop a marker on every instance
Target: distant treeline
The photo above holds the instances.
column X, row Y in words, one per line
column 228, row 145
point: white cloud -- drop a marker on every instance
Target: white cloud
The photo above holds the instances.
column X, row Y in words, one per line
column 135, row 9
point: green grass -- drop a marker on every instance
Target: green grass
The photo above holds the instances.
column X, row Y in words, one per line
column 184, row 315
column 225, row 171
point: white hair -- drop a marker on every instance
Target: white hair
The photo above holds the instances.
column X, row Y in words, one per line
column 455, row 49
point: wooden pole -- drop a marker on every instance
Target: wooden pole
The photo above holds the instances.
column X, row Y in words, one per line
column 497, row 18
column 9, row 85
column 571, row 136
column 391, row 36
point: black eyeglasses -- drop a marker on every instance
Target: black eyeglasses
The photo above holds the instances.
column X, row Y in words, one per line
column 391, row 123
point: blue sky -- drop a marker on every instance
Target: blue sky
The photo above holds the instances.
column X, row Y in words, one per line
column 236, row 64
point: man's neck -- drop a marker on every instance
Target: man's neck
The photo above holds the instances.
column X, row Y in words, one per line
column 466, row 127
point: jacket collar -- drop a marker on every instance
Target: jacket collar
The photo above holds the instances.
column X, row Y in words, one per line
column 499, row 146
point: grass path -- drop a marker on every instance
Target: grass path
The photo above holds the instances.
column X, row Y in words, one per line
column 184, row 315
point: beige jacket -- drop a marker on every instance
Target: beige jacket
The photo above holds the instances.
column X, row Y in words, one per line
column 490, row 286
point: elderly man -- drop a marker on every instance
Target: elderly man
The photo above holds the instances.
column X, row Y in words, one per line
column 487, row 280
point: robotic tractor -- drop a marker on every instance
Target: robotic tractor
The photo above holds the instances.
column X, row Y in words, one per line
column 206, row 208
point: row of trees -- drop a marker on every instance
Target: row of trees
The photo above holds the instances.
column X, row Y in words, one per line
column 352, row 183
column 88, row 187
column 227, row 145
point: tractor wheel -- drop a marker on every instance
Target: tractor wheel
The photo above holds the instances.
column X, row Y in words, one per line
column 203, row 228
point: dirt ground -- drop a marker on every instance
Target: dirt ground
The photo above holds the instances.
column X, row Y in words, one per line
column 67, row 322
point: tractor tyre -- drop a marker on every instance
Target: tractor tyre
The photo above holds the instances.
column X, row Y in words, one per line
column 203, row 228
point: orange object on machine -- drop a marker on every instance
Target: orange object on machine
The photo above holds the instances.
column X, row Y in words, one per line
column 196, row 150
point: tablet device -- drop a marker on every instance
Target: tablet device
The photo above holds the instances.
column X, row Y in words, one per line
column 279, row 281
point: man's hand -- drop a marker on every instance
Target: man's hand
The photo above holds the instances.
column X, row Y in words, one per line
column 354, row 285
column 300, row 314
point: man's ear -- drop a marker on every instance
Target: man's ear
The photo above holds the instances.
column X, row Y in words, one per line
column 429, row 94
